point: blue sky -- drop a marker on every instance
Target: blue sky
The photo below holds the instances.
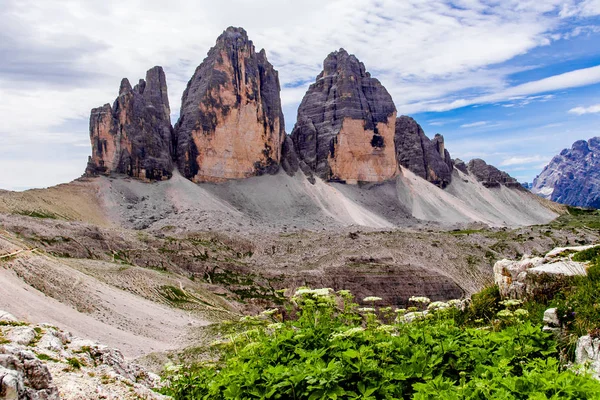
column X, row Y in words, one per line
column 512, row 82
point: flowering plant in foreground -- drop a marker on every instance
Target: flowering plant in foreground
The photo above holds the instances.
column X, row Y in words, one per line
column 331, row 350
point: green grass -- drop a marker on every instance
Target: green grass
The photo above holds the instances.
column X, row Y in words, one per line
column 75, row 363
column 46, row 357
column 587, row 255
column 38, row 214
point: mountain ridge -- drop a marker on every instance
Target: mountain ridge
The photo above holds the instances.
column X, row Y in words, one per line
column 573, row 176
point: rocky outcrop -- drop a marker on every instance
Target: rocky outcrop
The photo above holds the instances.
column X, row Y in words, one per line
column 573, row 176
column 289, row 158
column 134, row 136
column 428, row 159
column 532, row 276
column 460, row 165
column 491, row 176
column 587, row 355
column 231, row 124
column 346, row 124
column 48, row 363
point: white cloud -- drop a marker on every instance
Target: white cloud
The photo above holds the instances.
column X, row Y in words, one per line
column 585, row 110
column 585, row 8
column 60, row 58
column 474, row 124
column 519, row 160
column 572, row 79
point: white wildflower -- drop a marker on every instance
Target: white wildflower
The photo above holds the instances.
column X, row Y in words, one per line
column 385, row 328
column 437, row 305
column 505, row 314
column 366, row 309
column 420, row 299
column 370, row 299
column 347, row 333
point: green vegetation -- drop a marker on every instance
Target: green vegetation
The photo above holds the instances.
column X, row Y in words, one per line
column 46, row 357
column 578, row 218
column 74, row 363
column 38, row 214
column 327, row 347
column 587, row 255
column 13, row 323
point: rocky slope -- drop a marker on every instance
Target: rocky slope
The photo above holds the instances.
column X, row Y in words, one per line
column 231, row 124
column 346, row 122
column 44, row 362
column 426, row 158
column 134, row 136
column 573, row 176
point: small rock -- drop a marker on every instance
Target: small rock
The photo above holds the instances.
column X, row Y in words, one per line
column 23, row 335
column 50, row 342
column 551, row 318
column 7, row 317
column 11, row 384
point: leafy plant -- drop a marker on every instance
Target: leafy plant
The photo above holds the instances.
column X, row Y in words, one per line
column 329, row 348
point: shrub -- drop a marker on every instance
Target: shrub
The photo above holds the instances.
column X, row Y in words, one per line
column 332, row 350
column 587, row 255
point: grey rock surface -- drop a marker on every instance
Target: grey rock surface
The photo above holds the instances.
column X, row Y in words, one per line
column 491, row 176
column 289, row 158
column 427, row 158
column 587, row 354
column 573, row 176
column 532, row 276
column 551, row 318
column 56, row 365
column 134, row 136
column 343, row 91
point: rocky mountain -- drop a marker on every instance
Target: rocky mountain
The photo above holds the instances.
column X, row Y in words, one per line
column 489, row 175
column 231, row 129
column 427, row 158
column 573, row 176
column 346, row 124
column 134, row 136
column 231, row 124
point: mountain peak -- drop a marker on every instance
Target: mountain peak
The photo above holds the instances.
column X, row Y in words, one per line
column 573, row 176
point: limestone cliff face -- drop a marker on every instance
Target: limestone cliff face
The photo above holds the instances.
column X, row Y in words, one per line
column 427, row 158
column 134, row 136
column 346, row 123
column 231, row 124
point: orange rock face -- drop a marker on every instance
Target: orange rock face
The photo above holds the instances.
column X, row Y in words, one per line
column 354, row 159
column 231, row 125
column 133, row 137
column 346, row 124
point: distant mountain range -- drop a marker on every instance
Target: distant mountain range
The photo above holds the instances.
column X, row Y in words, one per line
column 573, row 176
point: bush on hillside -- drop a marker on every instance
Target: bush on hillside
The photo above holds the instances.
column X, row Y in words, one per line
column 333, row 349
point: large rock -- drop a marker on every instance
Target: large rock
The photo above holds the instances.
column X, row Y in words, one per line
column 538, row 276
column 427, row 158
column 346, row 124
column 491, row 176
column 134, row 136
column 573, row 176
column 587, row 354
column 231, row 124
